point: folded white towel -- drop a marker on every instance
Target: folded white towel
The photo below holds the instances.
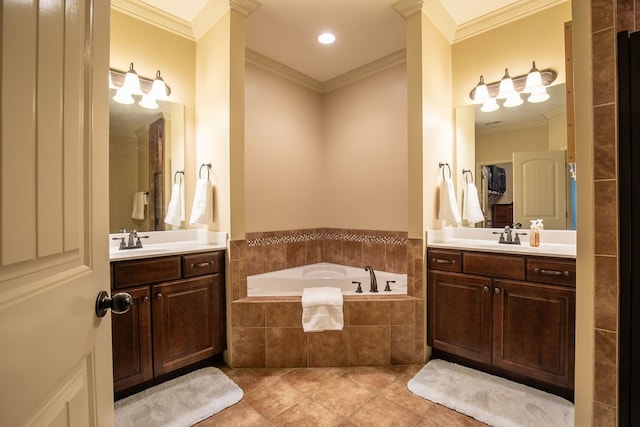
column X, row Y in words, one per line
column 140, row 200
column 322, row 309
column 202, row 209
column 175, row 210
column 448, row 210
column 471, row 211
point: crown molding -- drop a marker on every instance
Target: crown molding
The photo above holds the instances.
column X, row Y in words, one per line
column 502, row 16
column 246, row 7
column 439, row 16
column 366, row 70
column 208, row 16
column 154, row 16
column 559, row 110
column 302, row 79
column 517, row 126
column 406, row 8
column 281, row 70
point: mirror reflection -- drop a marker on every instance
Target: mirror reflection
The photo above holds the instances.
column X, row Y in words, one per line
column 521, row 168
column 145, row 151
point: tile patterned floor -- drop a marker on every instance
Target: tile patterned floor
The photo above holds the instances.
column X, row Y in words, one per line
column 359, row 396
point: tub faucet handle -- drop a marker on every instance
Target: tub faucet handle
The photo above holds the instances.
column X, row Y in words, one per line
column 388, row 288
column 359, row 288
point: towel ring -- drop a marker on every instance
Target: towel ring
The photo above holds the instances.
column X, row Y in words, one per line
column 466, row 173
column 442, row 165
column 175, row 177
column 208, row 166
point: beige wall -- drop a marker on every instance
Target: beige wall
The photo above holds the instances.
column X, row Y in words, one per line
column 284, row 154
column 539, row 38
column 123, row 172
column 336, row 160
column 365, row 127
column 220, row 115
column 437, row 117
column 150, row 49
column 500, row 146
column 557, row 122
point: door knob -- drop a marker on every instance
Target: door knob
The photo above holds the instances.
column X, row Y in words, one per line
column 120, row 303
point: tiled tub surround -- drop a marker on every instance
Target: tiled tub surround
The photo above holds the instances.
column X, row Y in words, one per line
column 382, row 330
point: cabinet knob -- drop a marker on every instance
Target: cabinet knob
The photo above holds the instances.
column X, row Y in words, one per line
column 158, row 295
column 485, row 288
column 145, row 298
column 497, row 290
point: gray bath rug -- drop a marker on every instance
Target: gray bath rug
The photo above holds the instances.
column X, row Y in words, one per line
column 490, row 399
column 180, row 402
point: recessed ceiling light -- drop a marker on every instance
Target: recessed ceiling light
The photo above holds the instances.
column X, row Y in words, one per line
column 326, row 38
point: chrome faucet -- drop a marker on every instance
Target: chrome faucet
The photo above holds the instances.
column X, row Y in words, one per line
column 133, row 241
column 506, row 236
column 372, row 277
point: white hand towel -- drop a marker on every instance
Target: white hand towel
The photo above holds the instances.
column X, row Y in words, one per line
column 140, row 200
column 448, row 210
column 202, row 209
column 175, row 210
column 471, row 204
column 322, row 309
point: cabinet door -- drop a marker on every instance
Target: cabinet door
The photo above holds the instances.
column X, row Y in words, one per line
column 185, row 322
column 131, row 342
column 534, row 328
column 459, row 315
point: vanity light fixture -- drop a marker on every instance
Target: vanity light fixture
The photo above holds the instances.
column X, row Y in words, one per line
column 129, row 83
column 534, row 84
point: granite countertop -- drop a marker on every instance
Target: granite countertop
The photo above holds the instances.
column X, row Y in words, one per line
column 165, row 243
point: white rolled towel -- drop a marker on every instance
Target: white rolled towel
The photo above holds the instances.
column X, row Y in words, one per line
column 471, row 211
column 202, row 209
column 448, row 210
column 175, row 211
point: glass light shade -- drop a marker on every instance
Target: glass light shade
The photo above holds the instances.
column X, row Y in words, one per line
column 149, row 102
column 482, row 93
column 123, row 96
column 513, row 100
column 111, row 85
column 132, row 82
column 489, row 105
column 534, row 80
column 159, row 88
column 538, row 95
column 506, row 86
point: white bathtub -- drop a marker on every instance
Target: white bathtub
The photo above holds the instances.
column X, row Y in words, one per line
column 291, row 281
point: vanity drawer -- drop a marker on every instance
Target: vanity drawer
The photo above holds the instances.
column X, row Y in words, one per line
column 445, row 260
column 201, row 264
column 494, row 265
column 142, row 272
column 555, row 271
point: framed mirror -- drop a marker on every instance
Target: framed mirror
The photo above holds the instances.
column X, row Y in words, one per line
column 146, row 153
column 521, row 165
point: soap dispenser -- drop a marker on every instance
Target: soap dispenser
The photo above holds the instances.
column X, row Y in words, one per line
column 534, row 234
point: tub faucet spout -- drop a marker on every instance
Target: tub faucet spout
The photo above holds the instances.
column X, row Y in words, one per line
column 372, row 277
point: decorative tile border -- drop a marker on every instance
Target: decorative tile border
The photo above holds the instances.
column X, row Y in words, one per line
column 279, row 237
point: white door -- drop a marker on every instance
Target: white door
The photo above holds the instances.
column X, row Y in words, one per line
column 540, row 188
column 55, row 354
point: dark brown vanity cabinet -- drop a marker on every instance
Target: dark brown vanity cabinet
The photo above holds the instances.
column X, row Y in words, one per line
column 177, row 318
column 512, row 315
